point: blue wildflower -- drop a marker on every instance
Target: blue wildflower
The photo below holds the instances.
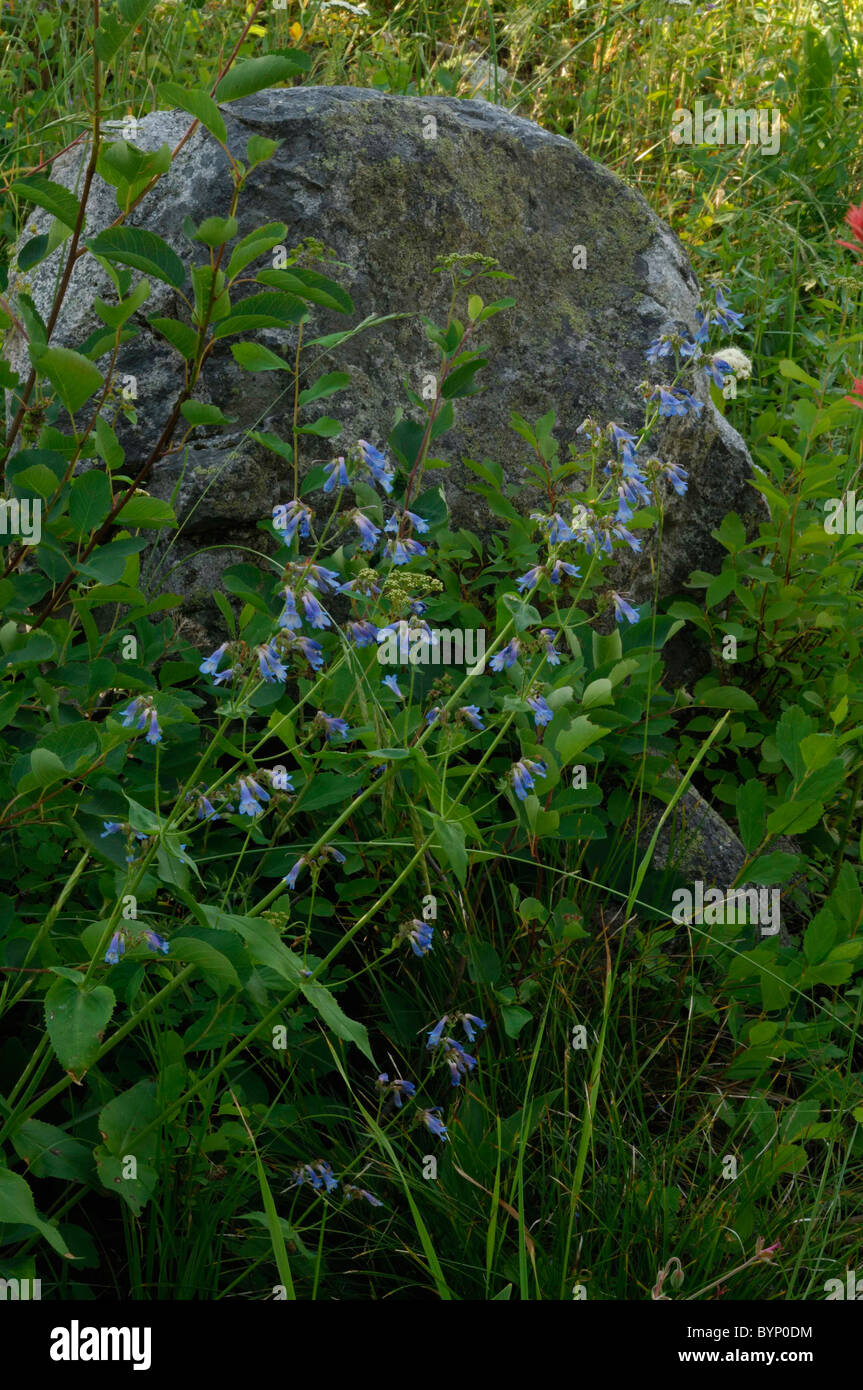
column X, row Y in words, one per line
column 523, row 773
column 432, row 1123
column 473, row 716
column 392, row 684
column 315, row 614
column 293, row 874
column 660, row 347
column 319, row 1174
column 311, row 650
column 622, row 609
column 561, row 568
column 338, row 475
column 352, row 1191
column 530, row 578
column 625, row 444
column 376, row 464
column 116, row 948
column 111, row 828
column 289, row 617
column 419, row 523
column 506, row 657
column 669, row 402
column 436, row 1033
column 401, row 552
column 542, row 715
column 396, row 1088
column 677, row 476
column 362, row 633
column 331, row 724
column 470, row 1023
column 458, row 1061
column 251, row 794
column 368, row 531
column 210, row 665
column 270, row 663
column 156, row 942
column 419, row 934
column 319, row 577
column 552, row 656
column 290, row 517
column 725, row 315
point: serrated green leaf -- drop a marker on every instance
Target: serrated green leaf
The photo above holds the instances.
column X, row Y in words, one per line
column 73, row 377
column 90, row 501
column 253, row 75
column 17, row 1208
column 198, row 104
column 75, row 1018
column 53, row 197
column 143, row 250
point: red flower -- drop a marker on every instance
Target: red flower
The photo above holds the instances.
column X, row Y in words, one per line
column 854, row 218
column 857, row 389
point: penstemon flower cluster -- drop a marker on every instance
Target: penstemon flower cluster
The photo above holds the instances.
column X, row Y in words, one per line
column 353, row 573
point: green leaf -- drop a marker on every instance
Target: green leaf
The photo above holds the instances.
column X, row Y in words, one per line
column 259, row 149
column 254, row 357
column 141, row 249
column 523, row 613
column 198, row 104
column 792, row 372
column 324, row 386
column 598, row 692
column 75, row 1019
column 115, row 315
column 580, row 734
column 515, row 1018
column 199, row 413
column 215, row 967
column 75, row 744
column 146, row 511
column 37, row 478
column 255, row 244
column 31, row 253
column 178, row 334
column 726, row 697
column 51, row 1153
column 450, row 837
column 325, row 428
column 89, row 501
column 264, row 943
column 819, row 936
column 216, row 231
column 752, row 813
column 107, row 563
column 53, row 197
column 793, row 817
column 133, row 11
column 244, row 79
column 461, row 381
column 46, row 767
column 74, row 378
column 267, row 310
column 310, row 285
column 110, row 36
column 17, row 1208
column 120, row 1123
column 335, row 1018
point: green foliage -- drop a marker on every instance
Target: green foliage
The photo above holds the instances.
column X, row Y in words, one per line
column 216, row 902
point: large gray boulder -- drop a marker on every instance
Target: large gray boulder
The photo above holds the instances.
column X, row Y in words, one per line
column 356, row 170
